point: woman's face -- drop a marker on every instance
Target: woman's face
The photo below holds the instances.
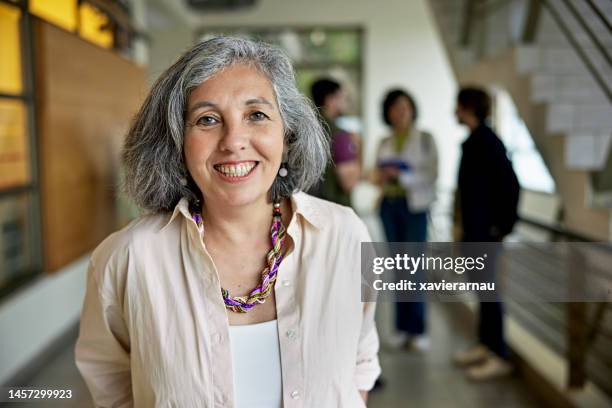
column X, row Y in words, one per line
column 400, row 113
column 233, row 136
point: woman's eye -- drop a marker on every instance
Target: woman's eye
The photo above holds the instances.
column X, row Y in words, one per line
column 207, row 121
column 257, row 116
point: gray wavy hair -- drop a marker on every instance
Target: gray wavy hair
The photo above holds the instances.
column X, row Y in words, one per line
column 153, row 159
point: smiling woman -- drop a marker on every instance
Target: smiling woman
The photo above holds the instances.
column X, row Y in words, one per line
column 234, row 126
column 233, row 268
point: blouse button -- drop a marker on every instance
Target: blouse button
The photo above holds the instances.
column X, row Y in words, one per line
column 216, row 338
column 291, row 334
column 295, row 394
column 286, row 283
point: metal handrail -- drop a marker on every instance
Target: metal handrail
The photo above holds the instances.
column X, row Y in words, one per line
column 577, row 47
column 566, row 233
column 581, row 330
column 601, row 15
column 589, row 32
column 555, row 229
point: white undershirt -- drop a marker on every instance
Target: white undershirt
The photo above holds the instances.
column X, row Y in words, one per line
column 256, row 365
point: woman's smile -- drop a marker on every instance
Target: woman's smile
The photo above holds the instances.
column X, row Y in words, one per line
column 237, row 171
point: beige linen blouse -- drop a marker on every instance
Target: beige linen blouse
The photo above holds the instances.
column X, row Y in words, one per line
column 154, row 329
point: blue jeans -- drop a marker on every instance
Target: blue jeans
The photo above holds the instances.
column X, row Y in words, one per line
column 403, row 225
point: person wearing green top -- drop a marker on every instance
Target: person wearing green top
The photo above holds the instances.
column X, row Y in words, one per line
column 344, row 170
column 407, row 171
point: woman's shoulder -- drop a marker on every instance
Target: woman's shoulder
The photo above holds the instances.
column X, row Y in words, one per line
column 385, row 146
column 117, row 245
column 426, row 134
column 427, row 140
column 385, row 140
column 331, row 216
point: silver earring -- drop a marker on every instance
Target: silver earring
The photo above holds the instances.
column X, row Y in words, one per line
column 183, row 181
column 283, row 171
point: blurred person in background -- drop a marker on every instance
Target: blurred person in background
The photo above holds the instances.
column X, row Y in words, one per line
column 407, row 170
column 485, row 211
column 208, row 299
column 344, row 170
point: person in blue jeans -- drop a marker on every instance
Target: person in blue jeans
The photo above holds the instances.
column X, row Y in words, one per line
column 407, row 167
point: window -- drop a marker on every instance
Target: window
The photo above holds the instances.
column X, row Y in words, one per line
column 95, row 26
column 20, row 212
column 84, row 18
column 13, row 134
column 62, row 13
column 19, row 215
column 10, row 52
column 17, row 251
column 527, row 161
column 14, row 158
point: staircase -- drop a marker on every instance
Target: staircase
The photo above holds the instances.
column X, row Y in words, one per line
column 553, row 57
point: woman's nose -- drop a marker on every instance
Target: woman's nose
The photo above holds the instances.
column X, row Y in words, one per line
column 235, row 137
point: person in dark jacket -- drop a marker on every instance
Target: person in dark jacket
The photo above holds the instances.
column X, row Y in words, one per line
column 485, row 210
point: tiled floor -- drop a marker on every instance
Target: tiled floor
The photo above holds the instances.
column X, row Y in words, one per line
column 412, row 379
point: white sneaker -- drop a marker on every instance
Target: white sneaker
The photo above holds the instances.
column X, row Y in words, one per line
column 419, row 343
column 474, row 355
column 493, row 367
column 396, row 341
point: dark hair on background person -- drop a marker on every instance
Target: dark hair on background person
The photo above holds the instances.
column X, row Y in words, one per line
column 477, row 100
column 393, row 96
column 321, row 89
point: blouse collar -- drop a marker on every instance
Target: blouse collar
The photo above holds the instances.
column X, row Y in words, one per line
column 302, row 204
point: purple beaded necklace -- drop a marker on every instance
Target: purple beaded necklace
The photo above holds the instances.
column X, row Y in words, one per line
column 242, row 304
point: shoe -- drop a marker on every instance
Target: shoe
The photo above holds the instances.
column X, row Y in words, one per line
column 473, row 355
column 493, row 367
column 397, row 341
column 418, row 343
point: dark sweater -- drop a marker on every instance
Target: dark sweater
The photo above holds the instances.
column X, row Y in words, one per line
column 487, row 186
column 343, row 149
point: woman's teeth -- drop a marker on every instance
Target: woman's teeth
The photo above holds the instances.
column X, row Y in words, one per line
column 239, row 170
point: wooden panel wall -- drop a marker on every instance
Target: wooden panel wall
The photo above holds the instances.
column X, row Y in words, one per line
column 86, row 97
